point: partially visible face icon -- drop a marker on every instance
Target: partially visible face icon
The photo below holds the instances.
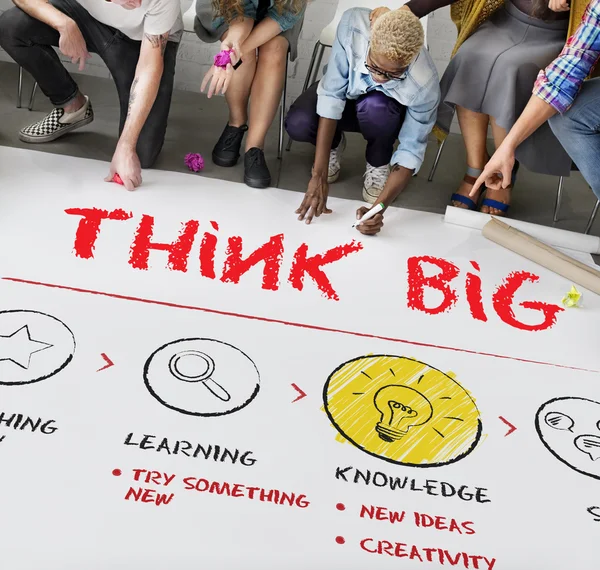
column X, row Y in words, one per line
column 570, row 430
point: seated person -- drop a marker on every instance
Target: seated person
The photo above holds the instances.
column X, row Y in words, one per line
column 261, row 32
column 137, row 43
column 572, row 105
column 501, row 47
column 381, row 83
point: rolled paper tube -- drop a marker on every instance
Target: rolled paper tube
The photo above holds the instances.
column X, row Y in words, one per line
column 223, row 58
column 543, row 254
column 553, row 236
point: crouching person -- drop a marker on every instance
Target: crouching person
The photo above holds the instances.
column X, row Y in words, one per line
column 380, row 82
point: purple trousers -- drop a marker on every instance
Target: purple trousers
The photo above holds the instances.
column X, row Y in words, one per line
column 375, row 115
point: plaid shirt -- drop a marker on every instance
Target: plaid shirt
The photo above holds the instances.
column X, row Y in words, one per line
column 559, row 84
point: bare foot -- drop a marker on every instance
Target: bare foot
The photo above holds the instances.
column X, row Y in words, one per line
column 502, row 195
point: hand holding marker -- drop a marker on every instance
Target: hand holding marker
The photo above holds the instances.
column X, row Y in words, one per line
column 370, row 214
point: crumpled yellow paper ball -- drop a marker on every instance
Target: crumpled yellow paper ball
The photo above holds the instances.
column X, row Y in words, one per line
column 572, row 298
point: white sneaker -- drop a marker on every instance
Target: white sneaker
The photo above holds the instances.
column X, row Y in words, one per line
column 375, row 179
column 57, row 123
column 335, row 158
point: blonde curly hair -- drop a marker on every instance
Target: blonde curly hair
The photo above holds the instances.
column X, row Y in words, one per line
column 397, row 36
column 233, row 9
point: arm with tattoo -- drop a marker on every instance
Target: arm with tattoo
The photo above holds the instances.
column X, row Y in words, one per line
column 144, row 88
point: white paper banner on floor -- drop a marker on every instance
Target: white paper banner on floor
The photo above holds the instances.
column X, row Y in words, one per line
column 190, row 377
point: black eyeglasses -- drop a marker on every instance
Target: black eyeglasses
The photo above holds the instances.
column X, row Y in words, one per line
column 385, row 74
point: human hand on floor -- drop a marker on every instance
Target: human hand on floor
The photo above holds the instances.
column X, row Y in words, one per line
column 72, row 44
column 497, row 173
column 126, row 164
column 559, row 5
column 315, row 199
column 369, row 227
column 219, row 77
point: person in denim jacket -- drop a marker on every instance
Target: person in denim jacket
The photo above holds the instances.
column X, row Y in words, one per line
column 382, row 83
column 261, row 33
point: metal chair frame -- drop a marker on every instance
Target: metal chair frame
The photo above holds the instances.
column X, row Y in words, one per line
column 20, row 91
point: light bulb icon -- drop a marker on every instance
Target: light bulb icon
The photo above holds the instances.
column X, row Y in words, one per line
column 401, row 408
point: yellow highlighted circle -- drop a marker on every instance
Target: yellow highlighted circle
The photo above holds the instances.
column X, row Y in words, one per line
column 402, row 410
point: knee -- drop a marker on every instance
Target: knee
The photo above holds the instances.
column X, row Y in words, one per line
column 249, row 57
column 13, row 26
column 380, row 111
column 555, row 121
column 298, row 124
column 275, row 51
column 561, row 124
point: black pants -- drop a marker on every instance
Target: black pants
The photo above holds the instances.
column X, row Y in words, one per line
column 29, row 42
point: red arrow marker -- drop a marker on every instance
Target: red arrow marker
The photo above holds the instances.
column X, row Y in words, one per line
column 511, row 427
column 108, row 361
column 300, row 391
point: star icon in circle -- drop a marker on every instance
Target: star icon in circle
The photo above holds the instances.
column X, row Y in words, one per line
column 19, row 347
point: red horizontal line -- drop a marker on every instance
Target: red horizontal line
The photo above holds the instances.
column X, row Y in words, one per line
column 289, row 323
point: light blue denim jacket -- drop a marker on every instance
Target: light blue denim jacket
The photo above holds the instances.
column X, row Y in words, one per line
column 286, row 20
column 346, row 77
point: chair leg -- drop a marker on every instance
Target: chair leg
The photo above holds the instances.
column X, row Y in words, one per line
column 592, row 217
column 311, row 67
column 436, row 161
column 19, row 87
column 559, row 193
column 318, row 63
column 309, row 73
column 282, row 112
column 33, row 91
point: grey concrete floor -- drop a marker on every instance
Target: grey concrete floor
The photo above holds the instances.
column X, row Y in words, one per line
column 196, row 122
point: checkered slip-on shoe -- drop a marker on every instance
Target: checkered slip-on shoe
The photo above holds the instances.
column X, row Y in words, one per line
column 57, row 124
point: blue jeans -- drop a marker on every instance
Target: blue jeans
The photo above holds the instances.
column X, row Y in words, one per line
column 578, row 130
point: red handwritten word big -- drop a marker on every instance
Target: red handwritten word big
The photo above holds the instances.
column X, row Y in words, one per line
column 502, row 299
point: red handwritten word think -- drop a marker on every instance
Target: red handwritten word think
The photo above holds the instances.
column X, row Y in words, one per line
column 502, row 299
column 236, row 264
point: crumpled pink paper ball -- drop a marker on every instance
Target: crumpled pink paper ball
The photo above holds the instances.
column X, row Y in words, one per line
column 223, row 58
column 194, row 162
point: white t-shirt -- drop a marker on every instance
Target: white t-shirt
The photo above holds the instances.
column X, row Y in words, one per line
column 154, row 17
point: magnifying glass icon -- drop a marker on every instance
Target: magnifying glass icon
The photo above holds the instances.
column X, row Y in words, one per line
column 196, row 366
